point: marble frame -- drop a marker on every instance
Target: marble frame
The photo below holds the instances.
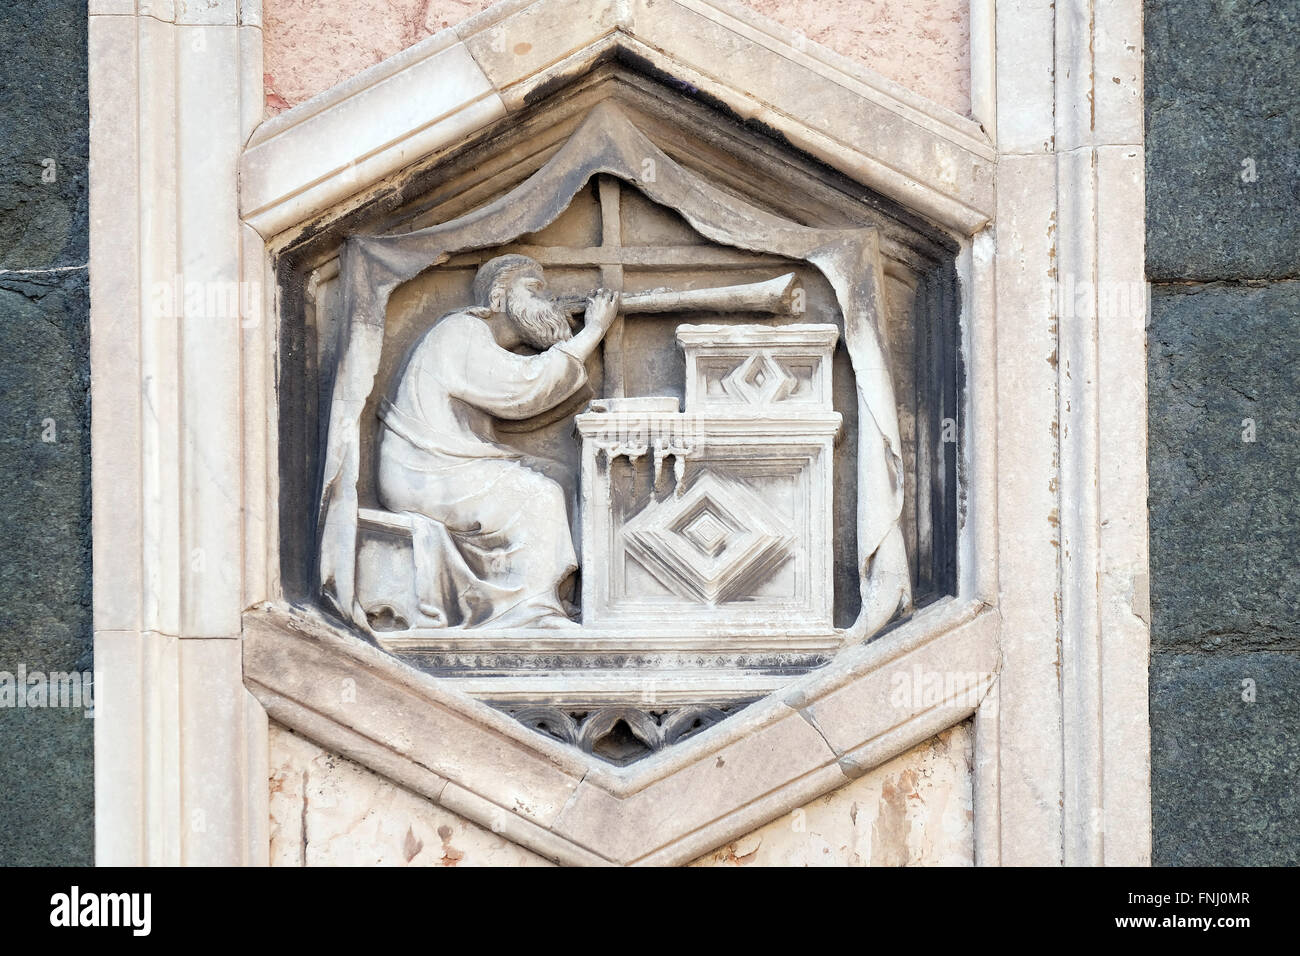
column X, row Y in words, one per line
column 1046, row 642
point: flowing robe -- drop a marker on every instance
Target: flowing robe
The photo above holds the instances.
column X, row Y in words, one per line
column 491, row 535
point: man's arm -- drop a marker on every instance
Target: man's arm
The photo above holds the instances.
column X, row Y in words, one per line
column 602, row 310
column 473, row 368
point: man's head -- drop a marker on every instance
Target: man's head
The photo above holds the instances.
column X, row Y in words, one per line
column 515, row 286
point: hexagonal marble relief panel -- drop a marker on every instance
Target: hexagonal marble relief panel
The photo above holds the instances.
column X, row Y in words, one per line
column 749, row 459
column 986, row 546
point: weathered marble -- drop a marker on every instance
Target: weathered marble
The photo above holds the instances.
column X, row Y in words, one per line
column 743, row 536
column 923, row 44
column 914, row 810
column 720, row 547
column 311, row 46
column 328, row 811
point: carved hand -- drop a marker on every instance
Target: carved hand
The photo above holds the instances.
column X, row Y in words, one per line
column 602, row 309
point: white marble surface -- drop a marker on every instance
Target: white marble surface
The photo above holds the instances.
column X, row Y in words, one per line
column 328, row 811
column 914, row 810
column 299, row 164
column 310, row 46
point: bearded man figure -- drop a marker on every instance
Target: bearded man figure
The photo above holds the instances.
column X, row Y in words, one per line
column 491, row 534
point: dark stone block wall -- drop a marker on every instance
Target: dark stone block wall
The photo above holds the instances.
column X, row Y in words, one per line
column 1223, row 254
column 1222, row 100
column 46, row 754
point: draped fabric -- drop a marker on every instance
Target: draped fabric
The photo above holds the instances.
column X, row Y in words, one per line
column 372, row 267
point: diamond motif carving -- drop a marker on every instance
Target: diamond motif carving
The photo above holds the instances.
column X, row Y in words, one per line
column 759, row 381
column 708, row 533
column 711, row 542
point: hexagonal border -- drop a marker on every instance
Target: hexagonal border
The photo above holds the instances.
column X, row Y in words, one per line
column 1052, row 552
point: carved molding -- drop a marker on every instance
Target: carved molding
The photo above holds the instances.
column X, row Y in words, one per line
column 875, row 702
column 311, row 157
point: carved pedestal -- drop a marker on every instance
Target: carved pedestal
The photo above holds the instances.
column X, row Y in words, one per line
column 735, row 537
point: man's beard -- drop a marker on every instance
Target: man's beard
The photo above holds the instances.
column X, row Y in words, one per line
column 541, row 323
